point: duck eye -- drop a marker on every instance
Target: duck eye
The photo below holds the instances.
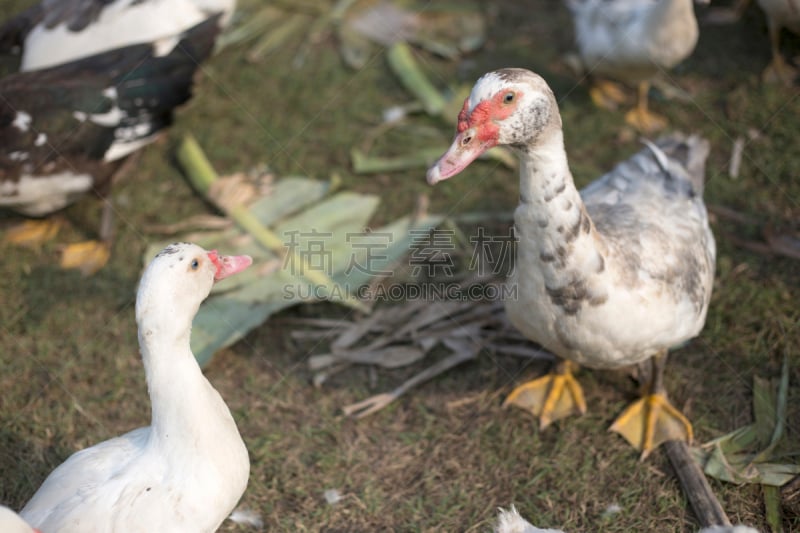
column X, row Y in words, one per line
column 195, row 264
column 508, row 98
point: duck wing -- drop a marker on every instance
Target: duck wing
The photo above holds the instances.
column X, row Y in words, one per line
column 649, row 214
column 80, row 474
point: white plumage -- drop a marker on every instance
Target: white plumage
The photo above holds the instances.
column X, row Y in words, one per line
column 186, row 470
column 11, row 522
column 74, row 29
column 512, row 522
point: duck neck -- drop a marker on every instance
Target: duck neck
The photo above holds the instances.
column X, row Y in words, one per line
column 546, row 185
column 183, row 402
column 554, row 228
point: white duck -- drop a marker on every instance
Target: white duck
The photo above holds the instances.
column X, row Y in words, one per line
column 11, row 522
column 611, row 276
column 780, row 14
column 631, row 41
column 186, row 470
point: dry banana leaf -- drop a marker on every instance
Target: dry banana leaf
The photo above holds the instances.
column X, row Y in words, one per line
column 303, row 243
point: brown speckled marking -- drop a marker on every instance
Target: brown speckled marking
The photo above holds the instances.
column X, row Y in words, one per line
column 171, row 249
column 542, row 222
column 569, row 297
column 586, row 222
column 572, row 233
column 600, row 299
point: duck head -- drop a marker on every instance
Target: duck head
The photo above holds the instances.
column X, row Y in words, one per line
column 510, row 106
column 179, row 278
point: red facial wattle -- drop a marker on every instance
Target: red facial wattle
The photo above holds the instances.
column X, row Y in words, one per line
column 477, row 131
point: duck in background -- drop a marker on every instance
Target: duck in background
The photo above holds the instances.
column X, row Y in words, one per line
column 53, row 32
column 98, row 81
column 186, row 470
column 611, row 276
column 780, row 14
column 631, row 41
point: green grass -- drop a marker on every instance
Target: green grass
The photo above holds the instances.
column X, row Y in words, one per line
column 445, row 457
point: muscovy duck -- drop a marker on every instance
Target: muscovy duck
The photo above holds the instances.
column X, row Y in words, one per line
column 186, row 470
column 611, row 276
column 66, row 130
column 631, row 41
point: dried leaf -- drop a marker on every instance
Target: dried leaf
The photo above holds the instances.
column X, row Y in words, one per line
column 277, row 36
column 389, row 357
column 299, row 216
column 402, row 62
column 783, row 243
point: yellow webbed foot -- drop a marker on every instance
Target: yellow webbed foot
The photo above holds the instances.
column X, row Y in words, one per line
column 550, row 398
column 650, row 421
column 87, row 256
column 645, row 121
column 607, row 95
column 33, row 232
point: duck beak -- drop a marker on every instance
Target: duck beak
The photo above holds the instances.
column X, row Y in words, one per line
column 466, row 147
column 227, row 265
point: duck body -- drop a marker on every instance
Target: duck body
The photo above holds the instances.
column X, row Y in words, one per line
column 65, row 130
column 614, row 274
column 631, row 40
column 186, row 470
column 611, row 276
column 54, row 32
column 99, row 80
column 782, row 14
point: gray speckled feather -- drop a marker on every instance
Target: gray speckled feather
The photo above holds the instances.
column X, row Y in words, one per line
column 650, row 207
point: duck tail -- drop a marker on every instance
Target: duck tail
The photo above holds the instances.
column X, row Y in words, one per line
column 691, row 152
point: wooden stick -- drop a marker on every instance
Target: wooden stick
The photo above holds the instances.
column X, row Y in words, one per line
column 704, row 502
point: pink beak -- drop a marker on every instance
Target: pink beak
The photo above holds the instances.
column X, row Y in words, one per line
column 465, row 149
column 227, row 265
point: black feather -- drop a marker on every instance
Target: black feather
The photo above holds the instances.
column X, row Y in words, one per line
column 147, row 87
